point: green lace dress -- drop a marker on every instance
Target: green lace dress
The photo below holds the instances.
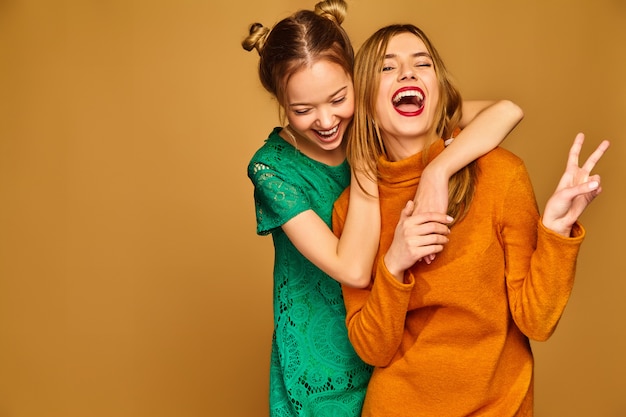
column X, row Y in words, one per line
column 314, row 369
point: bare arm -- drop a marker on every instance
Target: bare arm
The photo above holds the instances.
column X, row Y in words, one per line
column 347, row 259
column 485, row 125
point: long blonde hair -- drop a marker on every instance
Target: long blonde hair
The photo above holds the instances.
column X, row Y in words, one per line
column 365, row 143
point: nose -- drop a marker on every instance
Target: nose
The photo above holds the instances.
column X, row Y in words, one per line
column 326, row 118
column 407, row 72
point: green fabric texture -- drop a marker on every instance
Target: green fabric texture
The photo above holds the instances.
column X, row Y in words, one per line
column 314, row 369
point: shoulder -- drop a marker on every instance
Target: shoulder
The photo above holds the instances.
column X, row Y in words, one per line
column 501, row 162
column 501, row 170
column 273, row 155
column 273, row 144
column 501, row 156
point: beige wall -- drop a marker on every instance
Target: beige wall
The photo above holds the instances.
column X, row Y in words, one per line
column 131, row 280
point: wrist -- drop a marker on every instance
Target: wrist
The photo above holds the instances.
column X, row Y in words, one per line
column 557, row 227
column 397, row 273
column 437, row 172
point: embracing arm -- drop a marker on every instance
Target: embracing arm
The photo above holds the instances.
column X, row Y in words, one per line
column 349, row 258
column 485, row 125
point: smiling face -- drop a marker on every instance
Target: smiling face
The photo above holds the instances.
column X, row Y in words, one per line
column 408, row 96
column 319, row 107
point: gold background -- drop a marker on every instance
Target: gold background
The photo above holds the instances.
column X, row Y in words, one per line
column 131, row 279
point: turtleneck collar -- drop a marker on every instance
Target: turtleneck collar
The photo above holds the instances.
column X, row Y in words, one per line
column 407, row 169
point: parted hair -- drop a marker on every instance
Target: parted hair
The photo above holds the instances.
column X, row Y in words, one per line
column 300, row 40
column 365, row 143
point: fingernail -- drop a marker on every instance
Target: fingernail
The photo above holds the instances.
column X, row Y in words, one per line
column 593, row 185
column 450, row 218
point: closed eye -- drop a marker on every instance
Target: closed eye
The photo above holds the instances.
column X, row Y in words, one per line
column 300, row 112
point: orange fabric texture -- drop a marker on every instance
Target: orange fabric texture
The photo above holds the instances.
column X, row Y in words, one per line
column 452, row 340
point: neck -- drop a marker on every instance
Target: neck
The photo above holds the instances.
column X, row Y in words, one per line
column 329, row 157
column 399, row 148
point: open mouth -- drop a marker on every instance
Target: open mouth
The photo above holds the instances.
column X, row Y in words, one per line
column 327, row 135
column 408, row 101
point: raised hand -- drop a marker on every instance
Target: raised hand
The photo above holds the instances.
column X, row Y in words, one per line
column 416, row 236
column 576, row 189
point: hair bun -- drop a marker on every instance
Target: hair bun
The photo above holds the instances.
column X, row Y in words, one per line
column 335, row 10
column 256, row 38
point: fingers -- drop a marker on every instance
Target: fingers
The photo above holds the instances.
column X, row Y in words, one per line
column 590, row 163
column 574, row 151
column 425, row 247
column 590, row 188
column 442, row 218
column 593, row 159
column 408, row 208
column 429, row 258
column 416, row 226
column 416, row 237
column 409, row 216
column 412, row 231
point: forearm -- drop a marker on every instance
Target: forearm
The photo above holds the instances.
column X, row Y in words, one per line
column 537, row 303
column 539, row 264
column 346, row 253
column 375, row 317
column 360, row 233
column 487, row 128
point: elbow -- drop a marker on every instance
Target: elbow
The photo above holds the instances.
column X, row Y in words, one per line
column 540, row 336
column 358, row 279
column 514, row 111
column 380, row 361
column 539, row 328
column 370, row 352
column 374, row 345
column 542, row 333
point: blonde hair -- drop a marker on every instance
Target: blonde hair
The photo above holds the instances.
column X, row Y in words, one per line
column 298, row 41
column 365, row 143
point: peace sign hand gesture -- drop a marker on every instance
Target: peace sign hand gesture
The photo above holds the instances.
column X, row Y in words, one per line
column 575, row 191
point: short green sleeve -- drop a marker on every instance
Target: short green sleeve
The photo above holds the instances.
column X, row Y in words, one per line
column 276, row 199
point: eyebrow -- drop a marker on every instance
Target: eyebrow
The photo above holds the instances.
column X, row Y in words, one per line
column 345, row 87
column 415, row 55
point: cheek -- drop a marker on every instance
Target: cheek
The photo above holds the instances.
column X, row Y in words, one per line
column 434, row 88
column 382, row 101
column 383, row 119
column 300, row 123
column 435, row 98
column 347, row 110
column 381, row 108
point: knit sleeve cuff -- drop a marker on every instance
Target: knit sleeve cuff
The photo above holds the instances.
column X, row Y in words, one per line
column 391, row 281
column 577, row 235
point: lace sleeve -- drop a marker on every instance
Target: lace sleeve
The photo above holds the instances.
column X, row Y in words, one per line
column 276, row 198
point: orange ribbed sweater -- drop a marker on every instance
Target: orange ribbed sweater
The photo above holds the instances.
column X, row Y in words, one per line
column 452, row 340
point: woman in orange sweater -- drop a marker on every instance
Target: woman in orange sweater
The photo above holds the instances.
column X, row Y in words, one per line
column 451, row 338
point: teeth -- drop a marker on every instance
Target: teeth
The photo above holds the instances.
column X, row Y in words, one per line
column 407, row 93
column 328, row 132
